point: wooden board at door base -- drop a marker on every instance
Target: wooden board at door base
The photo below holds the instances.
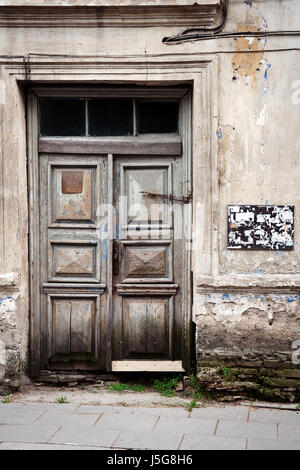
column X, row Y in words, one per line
column 147, row 366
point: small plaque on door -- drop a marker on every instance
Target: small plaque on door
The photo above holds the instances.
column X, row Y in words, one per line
column 71, row 182
column 260, row 227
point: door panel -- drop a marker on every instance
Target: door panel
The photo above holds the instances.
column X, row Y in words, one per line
column 74, row 332
column 139, row 207
column 73, row 261
column 146, row 261
column 146, row 327
column 73, row 194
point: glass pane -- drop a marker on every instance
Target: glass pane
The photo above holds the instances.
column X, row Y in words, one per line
column 110, row 117
column 158, row 117
column 62, row 117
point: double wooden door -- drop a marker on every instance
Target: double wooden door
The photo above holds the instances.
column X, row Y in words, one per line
column 111, row 260
column 108, row 265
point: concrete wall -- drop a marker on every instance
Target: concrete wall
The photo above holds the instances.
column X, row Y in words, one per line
column 246, row 304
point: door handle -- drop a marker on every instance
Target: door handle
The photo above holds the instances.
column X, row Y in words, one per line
column 116, row 255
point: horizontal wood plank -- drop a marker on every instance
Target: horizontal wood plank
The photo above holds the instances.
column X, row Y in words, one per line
column 147, row 366
column 116, row 147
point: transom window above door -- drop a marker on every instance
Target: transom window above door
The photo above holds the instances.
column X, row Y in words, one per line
column 108, row 117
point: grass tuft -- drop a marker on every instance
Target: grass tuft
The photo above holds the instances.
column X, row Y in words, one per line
column 165, row 386
column 120, row 387
column 6, row 399
column 62, row 400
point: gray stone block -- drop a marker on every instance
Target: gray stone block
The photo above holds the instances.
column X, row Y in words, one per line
column 68, row 419
column 27, row 433
column 85, row 435
column 192, row 442
column 227, row 413
column 274, row 416
column 51, row 406
column 10, row 405
column 289, row 432
column 153, row 440
column 239, row 429
column 129, row 422
column 33, row 446
column 94, row 409
column 205, row 427
column 270, row 444
column 22, row 415
column 182, row 412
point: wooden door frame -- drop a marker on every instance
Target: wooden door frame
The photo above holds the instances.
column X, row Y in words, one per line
column 36, row 145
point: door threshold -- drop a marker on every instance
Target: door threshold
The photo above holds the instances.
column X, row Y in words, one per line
column 147, row 366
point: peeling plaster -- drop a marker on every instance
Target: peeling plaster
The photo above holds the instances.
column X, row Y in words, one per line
column 247, row 65
column 228, row 309
column 8, row 309
column 262, row 115
column 2, row 353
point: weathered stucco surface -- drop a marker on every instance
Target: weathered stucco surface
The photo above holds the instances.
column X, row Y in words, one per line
column 13, row 334
column 248, row 322
column 246, row 151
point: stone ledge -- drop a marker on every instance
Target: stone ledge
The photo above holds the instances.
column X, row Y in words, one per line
column 270, row 282
column 111, row 13
column 109, row 3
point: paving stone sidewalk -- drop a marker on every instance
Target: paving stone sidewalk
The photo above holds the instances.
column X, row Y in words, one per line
column 86, row 427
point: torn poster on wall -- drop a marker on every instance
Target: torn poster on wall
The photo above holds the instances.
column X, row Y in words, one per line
column 261, row 227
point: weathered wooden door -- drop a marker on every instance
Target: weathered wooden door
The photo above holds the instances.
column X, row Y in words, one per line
column 147, row 269
column 109, row 278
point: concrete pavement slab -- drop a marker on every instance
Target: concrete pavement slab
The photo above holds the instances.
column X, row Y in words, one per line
column 27, row 433
column 19, row 415
column 68, row 419
column 193, row 442
column 128, row 422
column 85, row 435
column 161, row 412
column 244, row 430
column 51, row 406
column 227, row 413
column 271, row 444
column 289, row 432
column 274, row 416
column 11, row 405
column 33, row 446
column 187, row 425
column 153, row 440
column 94, row 409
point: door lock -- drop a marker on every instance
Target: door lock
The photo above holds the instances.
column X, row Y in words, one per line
column 116, row 258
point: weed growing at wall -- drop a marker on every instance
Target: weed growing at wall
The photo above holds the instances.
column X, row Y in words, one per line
column 119, row 387
column 165, row 386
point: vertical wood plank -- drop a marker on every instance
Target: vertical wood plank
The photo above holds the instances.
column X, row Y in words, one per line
column 187, row 297
column 81, row 326
column 157, row 325
column 111, row 230
column 34, row 280
column 61, row 326
column 135, row 327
